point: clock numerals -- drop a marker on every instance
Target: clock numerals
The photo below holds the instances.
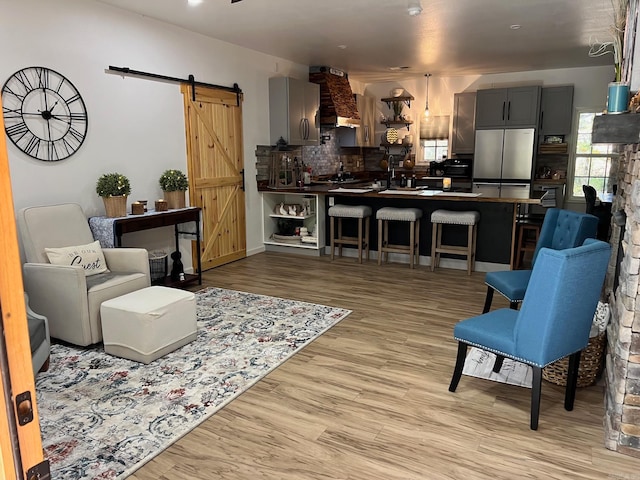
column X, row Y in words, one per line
column 22, row 77
column 17, row 131
column 43, row 77
column 45, row 116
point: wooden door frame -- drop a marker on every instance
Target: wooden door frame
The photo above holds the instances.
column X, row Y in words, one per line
column 20, row 446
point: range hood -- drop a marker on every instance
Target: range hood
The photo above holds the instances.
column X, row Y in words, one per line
column 337, row 103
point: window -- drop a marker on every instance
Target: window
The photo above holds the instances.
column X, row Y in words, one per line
column 434, row 138
column 592, row 165
column 434, row 149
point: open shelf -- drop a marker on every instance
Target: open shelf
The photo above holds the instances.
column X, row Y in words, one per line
column 291, row 217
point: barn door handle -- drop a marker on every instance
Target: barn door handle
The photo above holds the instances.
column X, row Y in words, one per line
column 242, row 173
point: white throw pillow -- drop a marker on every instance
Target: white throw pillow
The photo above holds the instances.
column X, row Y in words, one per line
column 89, row 257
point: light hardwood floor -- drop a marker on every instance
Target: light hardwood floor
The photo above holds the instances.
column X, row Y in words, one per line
column 369, row 399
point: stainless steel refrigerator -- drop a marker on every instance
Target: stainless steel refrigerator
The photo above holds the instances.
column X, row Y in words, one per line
column 503, row 162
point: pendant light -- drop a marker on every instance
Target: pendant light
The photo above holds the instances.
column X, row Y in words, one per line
column 426, row 104
column 414, row 8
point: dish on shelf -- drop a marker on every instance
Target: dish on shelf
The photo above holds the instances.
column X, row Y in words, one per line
column 292, row 239
column 396, row 92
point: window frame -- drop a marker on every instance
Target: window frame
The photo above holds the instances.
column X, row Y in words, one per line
column 571, row 167
column 437, row 147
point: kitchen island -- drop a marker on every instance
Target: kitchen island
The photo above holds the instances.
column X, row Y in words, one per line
column 496, row 229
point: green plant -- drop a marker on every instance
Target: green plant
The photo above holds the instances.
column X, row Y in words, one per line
column 616, row 45
column 173, row 180
column 397, row 109
column 112, row 185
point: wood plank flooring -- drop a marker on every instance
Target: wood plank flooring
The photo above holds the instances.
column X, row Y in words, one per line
column 369, row 399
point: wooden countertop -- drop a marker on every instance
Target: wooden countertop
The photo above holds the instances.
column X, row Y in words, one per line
column 324, row 190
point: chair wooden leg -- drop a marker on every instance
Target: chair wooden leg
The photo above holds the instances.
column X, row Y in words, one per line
column 379, row 242
column 488, row 300
column 572, row 381
column 434, row 235
column 360, row 240
column 469, row 248
column 386, row 240
column 497, row 365
column 457, row 371
column 332, row 232
column 45, row 365
column 536, row 387
column 417, row 237
column 340, row 236
column 366, row 235
column 412, row 243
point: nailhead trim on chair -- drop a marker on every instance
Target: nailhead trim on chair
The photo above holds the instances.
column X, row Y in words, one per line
column 513, row 357
column 350, row 211
column 399, row 214
column 455, row 218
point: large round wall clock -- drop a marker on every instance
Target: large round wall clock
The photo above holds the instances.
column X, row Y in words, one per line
column 44, row 115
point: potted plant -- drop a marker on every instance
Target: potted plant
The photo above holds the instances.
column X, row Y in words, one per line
column 618, row 90
column 174, row 183
column 114, row 188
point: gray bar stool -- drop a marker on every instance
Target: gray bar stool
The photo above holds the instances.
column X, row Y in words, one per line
column 350, row 211
column 393, row 214
column 439, row 218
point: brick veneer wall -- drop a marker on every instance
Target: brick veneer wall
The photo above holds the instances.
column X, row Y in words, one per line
column 622, row 380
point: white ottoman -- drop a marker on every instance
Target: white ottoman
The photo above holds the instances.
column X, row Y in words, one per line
column 146, row 324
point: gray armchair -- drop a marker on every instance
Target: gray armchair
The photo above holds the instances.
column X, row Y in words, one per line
column 38, row 338
column 63, row 293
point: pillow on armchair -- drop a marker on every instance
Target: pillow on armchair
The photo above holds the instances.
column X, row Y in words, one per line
column 89, row 257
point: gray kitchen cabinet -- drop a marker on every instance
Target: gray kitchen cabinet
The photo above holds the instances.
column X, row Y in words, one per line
column 294, row 107
column 556, row 110
column 464, row 115
column 508, row 107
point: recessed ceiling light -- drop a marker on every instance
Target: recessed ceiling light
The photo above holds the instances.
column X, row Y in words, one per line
column 398, row 68
column 342, row 47
column 515, row 26
column 194, row 2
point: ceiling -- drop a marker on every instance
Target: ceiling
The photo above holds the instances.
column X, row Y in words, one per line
column 368, row 37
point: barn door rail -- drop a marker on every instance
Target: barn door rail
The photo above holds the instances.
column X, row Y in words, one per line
column 191, row 80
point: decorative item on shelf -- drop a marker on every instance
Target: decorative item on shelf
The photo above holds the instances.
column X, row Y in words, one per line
column 446, row 184
column 408, row 163
column 114, row 188
column 397, row 111
column 144, row 204
column 174, row 184
column 390, row 136
column 161, row 205
column 618, row 90
column 137, row 208
column 396, row 92
column 284, row 171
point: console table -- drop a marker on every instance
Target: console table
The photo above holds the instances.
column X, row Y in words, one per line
column 109, row 232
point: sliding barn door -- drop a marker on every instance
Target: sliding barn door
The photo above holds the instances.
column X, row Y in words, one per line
column 215, row 170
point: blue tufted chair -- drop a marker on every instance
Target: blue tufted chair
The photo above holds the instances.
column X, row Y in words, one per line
column 560, row 229
column 554, row 321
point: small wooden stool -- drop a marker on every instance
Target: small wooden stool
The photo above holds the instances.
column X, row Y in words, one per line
column 528, row 235
column 350, row 211
column 393, row 214
column 439, row 218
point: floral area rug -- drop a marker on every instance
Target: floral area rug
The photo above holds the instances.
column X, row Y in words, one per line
column 104, row 417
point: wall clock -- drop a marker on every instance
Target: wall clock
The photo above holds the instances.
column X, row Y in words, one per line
column 44, row 114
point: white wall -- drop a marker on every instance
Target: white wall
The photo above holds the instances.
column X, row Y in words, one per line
column 136, row 126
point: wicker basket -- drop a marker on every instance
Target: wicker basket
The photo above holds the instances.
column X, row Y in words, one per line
column 591, row 364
